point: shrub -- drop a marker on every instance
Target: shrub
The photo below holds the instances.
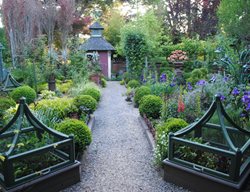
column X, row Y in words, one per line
column 133, row 84
column 158, row 89
column 45, row 94
column 64, row 86
column 103, row 82
column 82, row 133
column 150, row 105
column 171, row 125
column 6, row 103
column 24, row 91
column 197, row 74
column 85, row 101
column 122, row 82
column 93, row 92
column 41, row 87
column 126, row 77
column 55, row 108
column 139, row 93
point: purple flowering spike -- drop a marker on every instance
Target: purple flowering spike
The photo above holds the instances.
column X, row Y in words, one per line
column 222, row 97
column 242, row 115
column 246, row 99
column 248, row 107
column 163, row 78
column 201, row 82
column 172, row 84
column 226, row 79
column 189, row 86
column 235, row 91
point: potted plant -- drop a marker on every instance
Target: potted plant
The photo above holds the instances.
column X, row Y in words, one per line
column 95, row 71
column 178, row 57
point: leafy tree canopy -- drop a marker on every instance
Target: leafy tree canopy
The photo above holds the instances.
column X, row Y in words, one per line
column 234, row 18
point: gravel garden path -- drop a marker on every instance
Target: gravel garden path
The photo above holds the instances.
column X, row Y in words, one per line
column 119, row 157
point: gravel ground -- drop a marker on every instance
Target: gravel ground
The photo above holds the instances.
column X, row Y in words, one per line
column 119, row 157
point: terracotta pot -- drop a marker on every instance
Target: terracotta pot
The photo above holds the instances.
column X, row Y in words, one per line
column 95, row 78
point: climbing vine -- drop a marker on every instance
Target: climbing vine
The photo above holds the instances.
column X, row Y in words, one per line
column 135, row 49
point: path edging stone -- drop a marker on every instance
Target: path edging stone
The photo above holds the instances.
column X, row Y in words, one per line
column 91, row 122
column 147, row 132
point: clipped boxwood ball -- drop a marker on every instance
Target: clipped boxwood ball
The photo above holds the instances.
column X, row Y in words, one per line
column 93, row 92
column 24, row 91
column 172, row 125
column 79, row 129
column 85, row 101
column 133, row 84
column 151, row 105
column 139, row 93
column 103, row 82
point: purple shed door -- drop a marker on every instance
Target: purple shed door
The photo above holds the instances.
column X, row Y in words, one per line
column 103, row 58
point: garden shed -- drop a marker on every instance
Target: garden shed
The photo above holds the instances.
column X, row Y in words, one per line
column 97, row 45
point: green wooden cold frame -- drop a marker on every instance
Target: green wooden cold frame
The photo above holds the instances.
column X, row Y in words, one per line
column 30, row 150
column 218, row 150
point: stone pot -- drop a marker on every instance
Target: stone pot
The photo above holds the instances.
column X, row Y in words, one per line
column 52, row 82
column 178, row 65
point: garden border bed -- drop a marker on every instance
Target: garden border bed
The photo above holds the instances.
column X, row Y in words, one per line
column 147, row 131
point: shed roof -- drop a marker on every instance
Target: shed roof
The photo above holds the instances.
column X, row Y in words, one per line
column 97, row 44
column 96, row 25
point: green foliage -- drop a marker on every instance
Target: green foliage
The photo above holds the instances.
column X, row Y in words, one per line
column 193, row 47
column 158, row 89
column 93, row 92
column 79, row 129
column 170, row 108
column 112, row 30
column 122, row 82
column 135, row 49
column 78, row 67
column 85, row 101
column 150, row 105
column 58, row 107
column 41, row 87
column 126, row 77
column 24, row 91
column 129, row 93
column 64, row 86
column 234, row 18
column 171, row 125
column 151, row 26
column 103, row 82
column 197, row 74
column 6, row 52
column 139, row 93
column 133, row 84
column 45, row 94
column 47, row 116
column 238, row 68
column 5, row 103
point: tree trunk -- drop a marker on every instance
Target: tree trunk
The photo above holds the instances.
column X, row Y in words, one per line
column 52, row 82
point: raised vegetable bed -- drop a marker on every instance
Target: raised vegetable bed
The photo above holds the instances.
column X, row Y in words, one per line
column 209, row 157
column 32, row 154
